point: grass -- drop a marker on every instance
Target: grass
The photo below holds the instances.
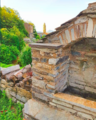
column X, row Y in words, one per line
column 8, row 109
column 7, row 65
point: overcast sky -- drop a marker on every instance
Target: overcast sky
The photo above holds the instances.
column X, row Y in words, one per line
column 52, row 12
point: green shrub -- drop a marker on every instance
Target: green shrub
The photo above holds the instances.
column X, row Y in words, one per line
column 12, row 37
column 9, row 38
column 9, row 18
column 8, row 53
column 25, row 56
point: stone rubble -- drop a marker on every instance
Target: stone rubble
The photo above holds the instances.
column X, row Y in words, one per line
column 17, row 83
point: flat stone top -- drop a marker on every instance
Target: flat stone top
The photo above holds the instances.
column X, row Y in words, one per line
column 41, row 111
column 75, row 99
column 45, row 45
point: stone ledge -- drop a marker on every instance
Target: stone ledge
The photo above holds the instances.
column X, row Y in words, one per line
column 76, row 101
column 44, row 45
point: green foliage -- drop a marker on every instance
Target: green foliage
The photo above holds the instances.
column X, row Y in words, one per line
column 12, row 37
column 10, row 18
column 20, row 35
column 8, row 109
column 3, row 65
column 9, row 38
column 25, row 56
column 8, row 53
column 35, row 33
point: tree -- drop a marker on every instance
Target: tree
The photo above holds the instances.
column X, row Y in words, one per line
column 10, row 18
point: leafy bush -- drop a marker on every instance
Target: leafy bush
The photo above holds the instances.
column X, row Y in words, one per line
column 12, row 37
column 20, row 35
column 9, row 38
column 8, row 53
column 9, row 18
column 8, row 109
column 25, row 56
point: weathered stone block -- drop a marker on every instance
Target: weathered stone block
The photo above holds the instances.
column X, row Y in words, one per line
column 44, row 60
column 43, row 65
column 76, row 81
column 13, row 94
column 14, row 99
column 62, row 59
column 53, row 104
column 63, row 88
column 37, row 76
column 11, row 84
column 62, row 103
column 64, row 63
column 76, row 85
column 23, row 99
column 38, row 83
column 66, row 109
column 90, row 89
column 53, row 61
column 23, row 92
column 53, row 75
column 3, row 86
column 3, row 81
column 40, row 96
column 7, row 90
column 77, row 77
column 57, row 68
column 48, row 94
column 74, row 66
column 50, row 90
column 18, row 97
column 51, row 86
column 36, row 59
column 38, row 90
column 40, row 71
column 83, row 115
column 79, row 109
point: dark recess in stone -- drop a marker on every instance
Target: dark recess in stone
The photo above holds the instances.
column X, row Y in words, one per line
column 87, row 95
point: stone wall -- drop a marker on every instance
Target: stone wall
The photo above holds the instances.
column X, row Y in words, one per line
column 16, row 93
column 55, row 68
column 82, row 70
column 50, row 65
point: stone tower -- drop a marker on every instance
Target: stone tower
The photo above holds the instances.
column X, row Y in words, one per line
column 44, row 28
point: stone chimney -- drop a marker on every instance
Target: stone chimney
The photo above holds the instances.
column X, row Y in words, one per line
column 92, row 5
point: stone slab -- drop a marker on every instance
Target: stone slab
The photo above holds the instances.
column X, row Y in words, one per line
column 44, row 45
column 84, row 110
column 10, row 69
column 83, row 115
column 67, row 109
column 77, row 101
column 62, row 103
column 40, row 111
